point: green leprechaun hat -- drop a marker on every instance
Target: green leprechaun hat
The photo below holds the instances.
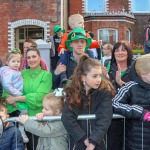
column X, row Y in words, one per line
column 75, row 34
column 57, row 29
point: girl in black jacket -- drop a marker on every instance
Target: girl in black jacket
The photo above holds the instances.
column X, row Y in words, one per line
column 87, row 93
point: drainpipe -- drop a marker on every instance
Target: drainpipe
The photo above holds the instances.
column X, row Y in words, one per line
column 61, row 13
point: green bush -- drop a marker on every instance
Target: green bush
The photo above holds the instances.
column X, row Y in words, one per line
column 138, row 51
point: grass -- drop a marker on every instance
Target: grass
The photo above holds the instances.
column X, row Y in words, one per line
column 138, row 51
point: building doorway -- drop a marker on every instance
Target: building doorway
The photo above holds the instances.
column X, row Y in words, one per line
column 25, row 32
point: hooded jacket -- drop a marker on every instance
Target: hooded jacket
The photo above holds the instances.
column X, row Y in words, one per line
column 133, row 101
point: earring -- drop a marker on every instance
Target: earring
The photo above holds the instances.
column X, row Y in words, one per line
column 83, row 82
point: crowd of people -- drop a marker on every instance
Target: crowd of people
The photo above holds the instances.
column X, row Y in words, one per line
column 96, row 79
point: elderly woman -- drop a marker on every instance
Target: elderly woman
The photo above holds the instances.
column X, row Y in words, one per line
column 117, row 72
column 37, row 83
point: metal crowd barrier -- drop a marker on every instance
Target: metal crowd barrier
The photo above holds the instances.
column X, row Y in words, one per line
column 80, row 117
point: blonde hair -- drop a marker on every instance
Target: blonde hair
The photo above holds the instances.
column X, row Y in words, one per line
column 73, row 18
column 13, row 53
column 142, row 65
column 54, row 102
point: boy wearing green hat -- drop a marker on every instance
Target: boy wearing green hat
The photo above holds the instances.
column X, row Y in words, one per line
column 54, row 42
column 77, row 44
column 74, row 21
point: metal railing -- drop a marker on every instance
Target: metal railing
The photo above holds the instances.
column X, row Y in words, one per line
column 80, row 117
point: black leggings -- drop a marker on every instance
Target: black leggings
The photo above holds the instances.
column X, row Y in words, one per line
column 33, row 140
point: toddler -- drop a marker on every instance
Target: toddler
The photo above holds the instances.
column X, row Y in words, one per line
column 12, row 83
column 11, row 138
column 52, row 133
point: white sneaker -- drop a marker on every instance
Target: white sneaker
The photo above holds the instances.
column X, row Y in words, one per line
column 25, row 138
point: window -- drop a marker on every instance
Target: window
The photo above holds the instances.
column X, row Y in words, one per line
column 97, row 6
column 31, row 32
column 25, row 32
column 128, row 35
column 108, row 35
column 140, row 6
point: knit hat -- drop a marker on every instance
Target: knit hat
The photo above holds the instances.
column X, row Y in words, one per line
column 75, row 34
column 57, row 29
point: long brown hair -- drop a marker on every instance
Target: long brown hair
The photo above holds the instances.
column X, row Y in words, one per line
column 74, row 88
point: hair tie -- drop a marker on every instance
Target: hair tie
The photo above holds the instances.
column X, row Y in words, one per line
column 59, row 92
column 14, row 51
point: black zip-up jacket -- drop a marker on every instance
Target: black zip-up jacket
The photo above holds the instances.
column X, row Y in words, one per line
column 101, row 106
column 132, row 101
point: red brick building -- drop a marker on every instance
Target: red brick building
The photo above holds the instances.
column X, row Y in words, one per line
column 114, row 20
column 109, row 20
column 24, row 19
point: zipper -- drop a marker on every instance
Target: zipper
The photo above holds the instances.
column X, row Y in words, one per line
column 75, row 145
column 89, row 120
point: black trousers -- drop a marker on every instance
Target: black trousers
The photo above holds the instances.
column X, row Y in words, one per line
column 115, row 135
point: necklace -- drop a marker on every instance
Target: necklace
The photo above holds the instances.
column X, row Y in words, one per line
column 33, row 75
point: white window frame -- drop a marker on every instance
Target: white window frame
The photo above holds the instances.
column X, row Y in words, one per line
column 134, row 11
column 86, row 7
column 116, row 30
column 127, row 30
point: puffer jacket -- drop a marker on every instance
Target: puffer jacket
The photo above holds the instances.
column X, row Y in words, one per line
column 94, row 130
column 133, row 101
column 11, row 138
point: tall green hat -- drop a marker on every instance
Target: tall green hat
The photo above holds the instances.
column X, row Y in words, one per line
column 57, row 29
column 75, row 34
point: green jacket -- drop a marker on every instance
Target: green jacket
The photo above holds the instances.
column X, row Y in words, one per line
column 53, row 135
column 36, row 85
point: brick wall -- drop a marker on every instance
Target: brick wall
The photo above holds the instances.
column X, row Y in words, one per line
column 121, row 26
column 117, row 5
column 75, row 7
column 26, row 9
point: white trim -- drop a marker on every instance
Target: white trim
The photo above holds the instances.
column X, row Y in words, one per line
column 61, row 13
column 130, row 5
column 129, row 34
column 19, row 23
column 116, row 20
column 83, row 6
column 106, row 5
